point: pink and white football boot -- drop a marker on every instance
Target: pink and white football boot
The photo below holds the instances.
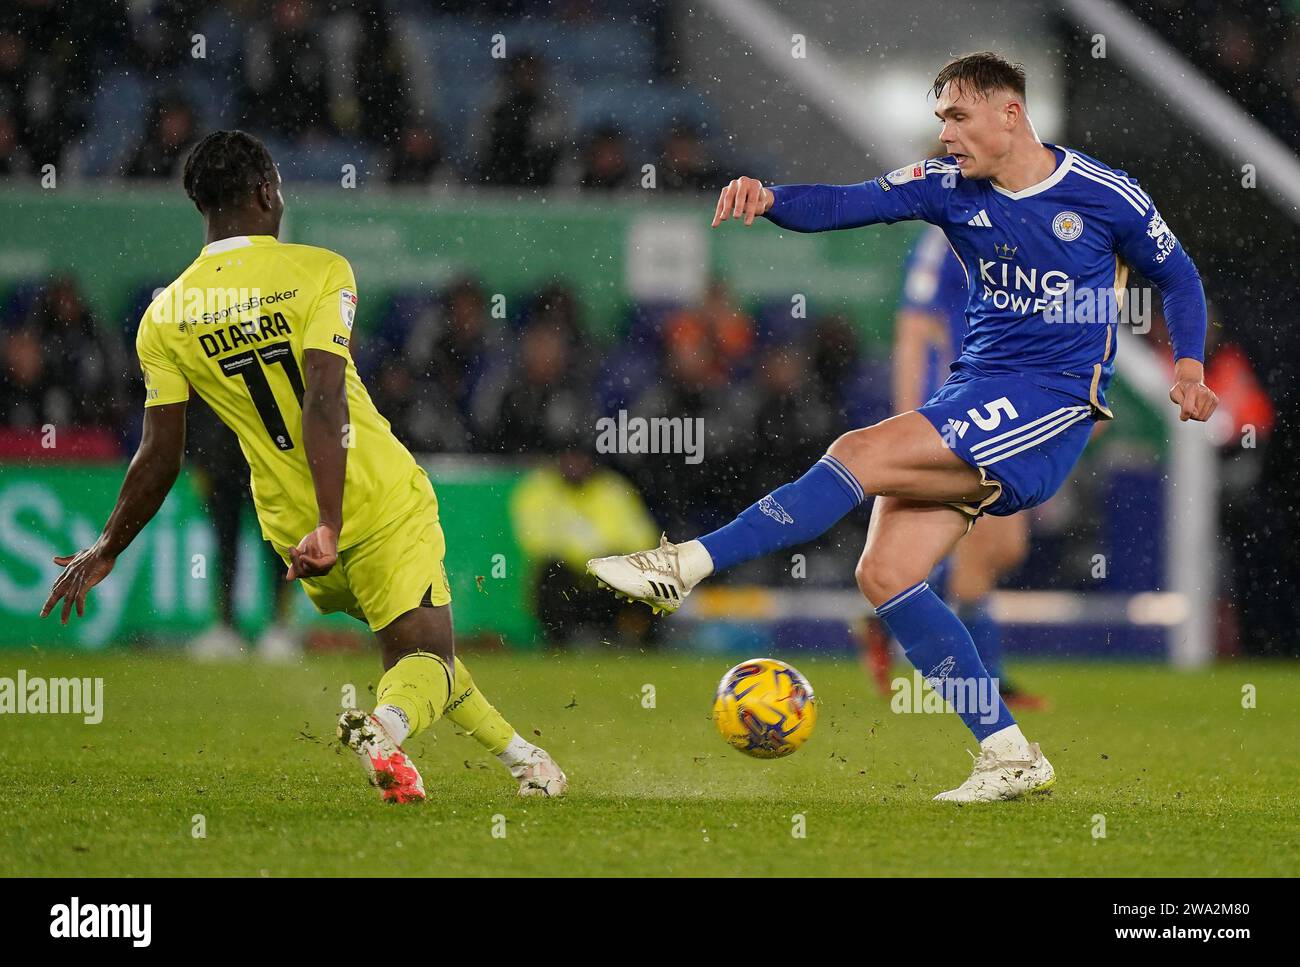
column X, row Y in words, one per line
column 386, row 765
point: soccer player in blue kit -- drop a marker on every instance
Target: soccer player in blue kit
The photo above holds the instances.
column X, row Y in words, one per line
column 1045, row 235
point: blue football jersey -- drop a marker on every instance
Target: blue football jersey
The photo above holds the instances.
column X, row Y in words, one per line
column 934, row 283
column 1045, row 266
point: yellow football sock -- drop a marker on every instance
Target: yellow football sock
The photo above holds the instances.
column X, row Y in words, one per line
column 418, row 685
column 475, row 715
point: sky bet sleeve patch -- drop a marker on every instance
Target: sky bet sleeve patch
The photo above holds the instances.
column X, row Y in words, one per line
column 901, row 176
column 333, row 314
column 348, row 307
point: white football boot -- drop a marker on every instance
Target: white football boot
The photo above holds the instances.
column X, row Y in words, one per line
column 994, row 778
column 386, row 765
column 279, row 645
column 218, row 643
column 540, row 776
column 652, row 577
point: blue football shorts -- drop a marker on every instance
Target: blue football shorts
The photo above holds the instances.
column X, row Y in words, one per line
column 1024, row 438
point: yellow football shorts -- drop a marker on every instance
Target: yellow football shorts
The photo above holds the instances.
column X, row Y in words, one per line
column 396, row 569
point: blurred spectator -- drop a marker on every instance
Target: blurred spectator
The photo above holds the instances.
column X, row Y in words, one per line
column 605, row 160
column 416, row 156
column 565, row 512
column 1243, row 402
column 42, row 68
column 456, row 353
column 716, row 331
column 160, row 33
column 685, row 166
column 1245, row 47
column 694, row 497
column 836, row 357
column 15, row 63
column 793, row 423
column 286, row 73
column 302, row 71
column 556, row 303
column 421, row 414
column 521, row 144
column 13, row 159
column 167, row 141
column 60, row 366
column 29, row 397
column 541, row 401
column 378, row 93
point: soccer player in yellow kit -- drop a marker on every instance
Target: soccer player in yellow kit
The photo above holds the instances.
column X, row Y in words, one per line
column 262, row 331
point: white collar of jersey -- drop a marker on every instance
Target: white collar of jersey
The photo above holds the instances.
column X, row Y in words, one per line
column 1061, row 171
column 226, row 244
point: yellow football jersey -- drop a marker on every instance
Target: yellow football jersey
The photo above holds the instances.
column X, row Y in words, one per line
column 234, row 326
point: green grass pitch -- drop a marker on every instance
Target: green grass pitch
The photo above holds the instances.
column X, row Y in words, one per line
column 1188, row 781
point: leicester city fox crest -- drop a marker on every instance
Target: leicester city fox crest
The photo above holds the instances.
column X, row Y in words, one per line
column 940, row 672
column 769, row 506
column 1068, row 226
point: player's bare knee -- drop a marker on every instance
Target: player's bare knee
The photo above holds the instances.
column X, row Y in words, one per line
column 422, row 629
column 880, row 578
column 861, row 452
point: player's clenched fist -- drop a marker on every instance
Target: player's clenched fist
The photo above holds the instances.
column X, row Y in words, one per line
column 1195, row 400
column 744, row 198
column 315, row 554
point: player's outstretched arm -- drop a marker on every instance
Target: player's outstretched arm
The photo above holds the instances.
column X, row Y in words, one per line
column 324, row 438
column 824, row 208
column 153, row 470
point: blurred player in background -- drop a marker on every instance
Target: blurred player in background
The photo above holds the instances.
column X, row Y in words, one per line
column 565, row 511
column 262, row 330
column 215, row 452
column 929, row 330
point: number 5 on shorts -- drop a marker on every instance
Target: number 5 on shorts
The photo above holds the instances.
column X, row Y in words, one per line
column 996, row 409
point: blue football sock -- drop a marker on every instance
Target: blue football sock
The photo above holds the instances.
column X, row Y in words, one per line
column 793, row 514
column 940, row 647
column 986, row 633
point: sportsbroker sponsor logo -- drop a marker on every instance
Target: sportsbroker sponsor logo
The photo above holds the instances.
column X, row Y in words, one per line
column 192, row 306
